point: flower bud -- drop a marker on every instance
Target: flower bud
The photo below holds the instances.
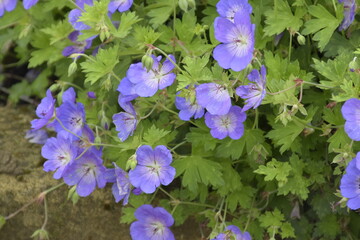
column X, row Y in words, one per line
column 192, row 3
column 301, row 39
column 131, row 163
column 2, row 221
column 353, row 65
column 72, row 68
column 147, row 61
column 183, row 4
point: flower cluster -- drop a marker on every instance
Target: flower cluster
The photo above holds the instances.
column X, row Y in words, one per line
column 350, row 183
column 236, row 33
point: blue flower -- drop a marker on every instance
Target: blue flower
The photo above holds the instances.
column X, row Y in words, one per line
column 237, row 38
column 72, row 116
column 253, row 93
column 214, row 97
column 228, row 8
column 86, row 173
column 29, row 3
column 350, row 183
column 152, row 224
column 125, row 124
column 127, row 94
column 153, row 168
column 120, row 5
column 146, row 83
column 78, row 47
column 45, row 111
column 188, row 108
column 7, row 5
column 351, row 112
column 349, row 13
column 38, row 136
column 59, row 152
column 121, row 188
column 230, row 124
column 233, row 232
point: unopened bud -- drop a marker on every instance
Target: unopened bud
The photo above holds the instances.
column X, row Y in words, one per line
column 131, row 163
column 301, row 39
column 192, row 3
column 147, row 61
column 183, row 4
column 72, row 68
column 353, row 65
column 40, row 234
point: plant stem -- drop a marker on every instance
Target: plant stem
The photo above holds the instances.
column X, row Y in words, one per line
column 168, row 194
column 46, row 214
column 105, row 145
column 167, row 56
column 286, row 89
column 290, row 45
column 69, row 131
column 178, row 145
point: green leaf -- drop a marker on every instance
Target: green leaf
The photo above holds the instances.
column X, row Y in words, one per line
column 154, row 135
column 202, row 138
column 275, row 170
column 161, row 14
column 324, row 25
column 275, row 223
column 127, row 21
column 127, row 216
column 281, row 18
column 145, row 35
column 196, row 71
column 196, row 169
column 58, row 31
column 101, row 65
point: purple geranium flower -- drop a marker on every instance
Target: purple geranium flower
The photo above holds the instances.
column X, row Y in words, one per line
column 146, row 83
column 188, row 108
column 253, row 93
column 75, row 14
column 228, row 8
column 121, row 188
column 230, row 124
column 127, row 94
column 91, row 95
column 120, row 5
column 233, row 232
column 45, row 111
column 236, row 50
column 125, row 124
column 214, row 97
column 153, row 168
column 351, row 112
column 86, row 172
column 349, row 13
column 72, row 116
column 78, row 47
column 38, row 136
column 7, row 5
column 350, row 183
column 29, row 3
column 59, row 152
column 152, row 224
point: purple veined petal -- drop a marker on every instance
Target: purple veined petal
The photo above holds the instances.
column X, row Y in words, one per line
column 167, row 80
column 147, row 89
column 228, row 8
column 145, row 155
column 39, row 123
column 86, row 185
column 168, row 65
column 2, row 10
column 9, row 5
column 354, row 203
column 241, row 62
column 214, row 97
column 73, row 19
column 120, row 5
column 125, row 124
column 162, row 155
column 69, row 95
column 67, row 51
column 38, row 136
column 223, row 55
column 144, row 178
column 353, row 130
column 136, row 73
column 357, row 161
column 152, row 224
column 46, row 107
column 167, row 175
column 225, row 31
column 125, row 103
column 126, row 87
column 242, row 18
column 351, row 110
column 29, row 3
column 81, row 3
column 349, row 186
column 349, row 14
column 254, row 76
column 72, row 116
